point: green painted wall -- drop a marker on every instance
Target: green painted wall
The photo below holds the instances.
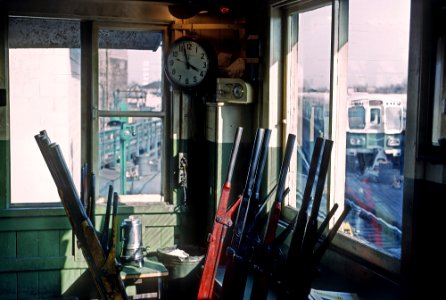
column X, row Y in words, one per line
column 36, row 258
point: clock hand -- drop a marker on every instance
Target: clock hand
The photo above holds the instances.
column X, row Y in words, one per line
column 193, row 67
column 187, row 60
column 188, row 65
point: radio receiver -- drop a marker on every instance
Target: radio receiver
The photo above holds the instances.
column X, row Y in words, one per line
column 234, row 90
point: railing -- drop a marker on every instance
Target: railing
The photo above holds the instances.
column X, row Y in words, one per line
column 137, row 138
column 130, row 152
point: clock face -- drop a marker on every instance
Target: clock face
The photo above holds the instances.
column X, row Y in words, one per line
column 187, row 63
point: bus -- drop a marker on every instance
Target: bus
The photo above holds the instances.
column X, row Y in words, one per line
column 376, row 125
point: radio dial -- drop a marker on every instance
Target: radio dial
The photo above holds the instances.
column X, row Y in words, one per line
column 238, row 91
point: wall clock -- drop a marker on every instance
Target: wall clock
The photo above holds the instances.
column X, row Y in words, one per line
column 189, row 63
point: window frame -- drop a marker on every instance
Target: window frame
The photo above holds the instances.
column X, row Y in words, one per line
column 435, row 39
column 349, row 247
column 88, row 113
column 96, row 113
column 8, row 208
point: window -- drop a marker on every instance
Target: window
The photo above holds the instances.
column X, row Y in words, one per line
column 378, row 47
column 308, row 78
column 356, row 117
column 127, row 113
column 356, row 98
column 44, row 78
column 394, row 119
column 375, row 117
column 131, row 115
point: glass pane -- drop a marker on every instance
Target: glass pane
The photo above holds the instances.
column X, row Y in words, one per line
column 309, row 77
column 356, row 117
column 375, row 118
column 130, row 79
column 131, row 156
column 377, row 84
column 130, row 70
column 45, row 95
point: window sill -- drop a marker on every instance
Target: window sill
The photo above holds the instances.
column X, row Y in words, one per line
column 58, row 210
column 358, row 252
column 373, row 259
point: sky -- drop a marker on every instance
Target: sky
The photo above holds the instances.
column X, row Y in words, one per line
column 378, row 43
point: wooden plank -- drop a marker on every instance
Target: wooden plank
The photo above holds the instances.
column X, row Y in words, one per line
column 180, row 26
column 82, row 287
column 36, row 218
column 8, row 285
column 48, row 243
column 27, row 243
column 78, row 255
column 68, row 278
column 65, row 243
column 159, row 220
column 37, row 223
column 28, row 285
column 8, row 244
column 157, row 237
column 34, row 210
column 62, row 222
column 149, row 208
column 151, row 237
column 150, row 269
column 137, row 11
column 49, row 284
column 167, row 236
column 38, row 263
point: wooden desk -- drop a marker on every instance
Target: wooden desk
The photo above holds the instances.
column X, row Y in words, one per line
column 139, row 282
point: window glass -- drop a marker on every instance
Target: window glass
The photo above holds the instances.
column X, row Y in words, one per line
column 375, row 117
column 356, row 117
column 130, row 143
column 378, row 40
column 309, row 88
column 130, row 151
column 130, row 80
column 44, row 78
column 394, row 119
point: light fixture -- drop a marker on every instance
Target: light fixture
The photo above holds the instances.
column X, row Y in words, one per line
column 184, row 11
column 224, row 9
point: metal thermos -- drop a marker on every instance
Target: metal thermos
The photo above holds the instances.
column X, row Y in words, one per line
column 131, row 238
